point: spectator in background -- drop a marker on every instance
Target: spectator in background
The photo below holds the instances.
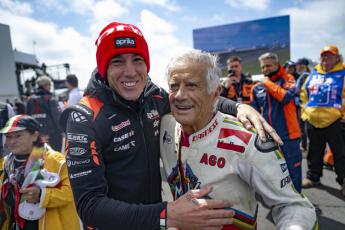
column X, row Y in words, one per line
column 303, row 71
column 237, row 86
column 290, row 68
column 322, row 97
column 19, row 106
column 74, row 93
column 6, row 112
column 45, row 108
column 274, row 98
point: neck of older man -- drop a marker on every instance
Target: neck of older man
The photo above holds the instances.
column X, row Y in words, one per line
column 202, row 123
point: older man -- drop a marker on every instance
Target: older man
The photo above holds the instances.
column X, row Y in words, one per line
column 201, row 147
column 113, row 144
column 323, row 98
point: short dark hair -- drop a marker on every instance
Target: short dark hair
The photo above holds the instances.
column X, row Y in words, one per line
column 233, row 58
column 72, row 80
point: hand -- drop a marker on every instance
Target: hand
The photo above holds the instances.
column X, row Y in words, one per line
column 190, row 212
column 249, row 117
column 228, row 82
column 31, row 194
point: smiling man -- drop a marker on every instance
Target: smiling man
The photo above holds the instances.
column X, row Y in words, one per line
column 113, row 144
column 200, row 147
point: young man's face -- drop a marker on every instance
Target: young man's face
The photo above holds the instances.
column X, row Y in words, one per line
column 236, row 67
column 127, row 75
column 190, row 102
column 268, row 66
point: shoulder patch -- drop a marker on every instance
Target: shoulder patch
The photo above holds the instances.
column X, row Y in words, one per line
column 267, row 146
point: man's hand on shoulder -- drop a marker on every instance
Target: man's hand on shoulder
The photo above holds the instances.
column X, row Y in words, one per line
column 191, row 211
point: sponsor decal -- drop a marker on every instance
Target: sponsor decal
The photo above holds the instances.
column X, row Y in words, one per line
column 112, row 116
column 167, row 138
column 285, row 181
column 82, row 109
column 175, row 181
column 283, row 167
column 124, row 136
column 124, row 42
column 153, row 114
column 206, row 132
column 212, row 160
column 156, row 132
column 39, row 115
column 120, row 126
column 155, row 123
column 82, row 162
column 78, row 117
column 80, row 138
column 234, row 140
column 125, row 147
column 80, row 174
column 76, row 151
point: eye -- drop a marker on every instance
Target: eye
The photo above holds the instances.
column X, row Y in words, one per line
column 138, row 59
column 192, row 85
column 173, row 87
column 116, row 61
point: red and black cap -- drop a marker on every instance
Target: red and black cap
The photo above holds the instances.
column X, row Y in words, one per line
column 21, row 122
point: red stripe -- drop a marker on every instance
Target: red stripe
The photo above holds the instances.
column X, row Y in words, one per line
column 229, row 146
column 14, row 124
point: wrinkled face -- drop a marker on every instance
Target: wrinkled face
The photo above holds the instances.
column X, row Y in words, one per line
column 21, row 142
column 328, row 61
column 268, row 66
column 236, row 67
column 127, row 75
column 190, row 102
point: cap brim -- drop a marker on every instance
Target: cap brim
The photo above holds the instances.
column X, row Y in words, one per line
column 9, row 129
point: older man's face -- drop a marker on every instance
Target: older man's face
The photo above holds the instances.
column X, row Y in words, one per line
column 190, row 102
column 328, row 61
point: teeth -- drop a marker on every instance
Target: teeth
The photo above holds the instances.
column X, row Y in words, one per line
column 129, row 84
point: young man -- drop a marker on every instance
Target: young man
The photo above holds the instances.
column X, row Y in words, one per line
column 200, row 147
column 74, row 93
column 113, row 144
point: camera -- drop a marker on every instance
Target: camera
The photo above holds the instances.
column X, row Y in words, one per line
column 231, row 73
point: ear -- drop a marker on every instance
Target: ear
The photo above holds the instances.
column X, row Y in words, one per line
column 36, row 134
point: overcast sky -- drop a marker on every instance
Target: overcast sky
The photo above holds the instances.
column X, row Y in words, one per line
column 65, row 31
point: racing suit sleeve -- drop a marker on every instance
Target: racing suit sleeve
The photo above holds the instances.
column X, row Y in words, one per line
column 89, row 185
column 227, row 106
column 282, row 94
column 265, row 170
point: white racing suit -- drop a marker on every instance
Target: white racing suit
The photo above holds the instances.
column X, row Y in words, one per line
column 232, row 160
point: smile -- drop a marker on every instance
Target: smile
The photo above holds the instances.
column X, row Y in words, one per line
column 129, row 83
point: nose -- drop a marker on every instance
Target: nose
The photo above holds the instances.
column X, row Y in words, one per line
column 130, row 69
column 180, row 93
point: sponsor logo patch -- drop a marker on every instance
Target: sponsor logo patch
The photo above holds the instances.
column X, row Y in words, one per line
column 152, row 115
column 78, row 117
column 206, row 132
column 283, row 167
column 120, row 126
column 234, row 140
column 80, row 138
column 82, row 109
column 167, row 138
column 125, row 147
column 124, row 42
column 80, row 174
column 285, row 181
column 155, row 123
column 82, row 162
column 39, row 115
column 124, row 136
column 76, row 151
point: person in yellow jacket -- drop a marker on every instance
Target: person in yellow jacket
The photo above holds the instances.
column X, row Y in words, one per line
column 35, row 189
column 322, row 97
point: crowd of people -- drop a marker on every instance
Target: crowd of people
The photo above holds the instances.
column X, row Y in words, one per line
column 219, row 142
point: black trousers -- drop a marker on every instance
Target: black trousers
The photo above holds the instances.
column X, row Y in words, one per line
column 318, row 137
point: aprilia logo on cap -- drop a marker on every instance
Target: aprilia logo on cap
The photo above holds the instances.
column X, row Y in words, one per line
column 125, row 42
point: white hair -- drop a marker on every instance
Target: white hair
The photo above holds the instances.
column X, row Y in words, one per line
column 193, row 56
column 43, row 80
column 272, row 56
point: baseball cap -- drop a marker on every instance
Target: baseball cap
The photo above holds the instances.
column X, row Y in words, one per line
column 21, row 122
column 289, row 63
column 302, row 61
column 119, row 38
column 330, row 48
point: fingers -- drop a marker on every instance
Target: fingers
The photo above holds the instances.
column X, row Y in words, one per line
column 31, row 194
column 198, row 193
column 272, row 132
